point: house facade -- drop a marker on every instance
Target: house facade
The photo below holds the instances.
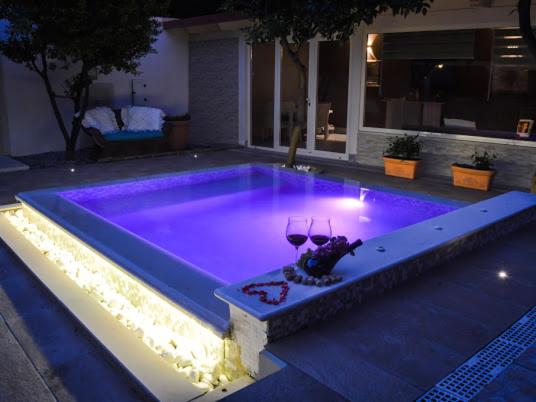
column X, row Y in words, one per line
column 460, row 77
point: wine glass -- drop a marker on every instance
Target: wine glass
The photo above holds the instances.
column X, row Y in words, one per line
column 320, row 230
column 297, row 232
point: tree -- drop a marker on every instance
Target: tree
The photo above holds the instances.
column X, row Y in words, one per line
column 294, row 22
column 523, row 9
column 83, row 37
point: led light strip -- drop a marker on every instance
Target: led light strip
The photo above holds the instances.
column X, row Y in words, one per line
column 201, row 356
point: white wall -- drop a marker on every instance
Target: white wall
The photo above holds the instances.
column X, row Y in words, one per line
column 27, row 118
column 30, row 124
column 165, row 73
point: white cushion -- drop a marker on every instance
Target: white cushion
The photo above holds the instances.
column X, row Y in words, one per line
column 460, row 123
column 141, row 118
column 101, row 118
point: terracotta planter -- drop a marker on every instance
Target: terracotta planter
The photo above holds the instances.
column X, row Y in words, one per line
column 401, row 168
column 176, row 133
column 472, row 178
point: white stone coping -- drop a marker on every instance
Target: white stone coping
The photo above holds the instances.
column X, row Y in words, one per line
column 400, row 245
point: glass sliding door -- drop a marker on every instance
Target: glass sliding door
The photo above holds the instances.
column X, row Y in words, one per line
column 294, row 93
column 262, row 94
column 332, row 96
column 305, row 88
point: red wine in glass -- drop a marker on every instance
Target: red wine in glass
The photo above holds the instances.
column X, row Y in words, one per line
column 320, row 230
column 297, row 240
column 297, row 232
column 319, row 239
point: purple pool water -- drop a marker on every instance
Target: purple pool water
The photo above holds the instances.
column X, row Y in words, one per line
column 231, row 223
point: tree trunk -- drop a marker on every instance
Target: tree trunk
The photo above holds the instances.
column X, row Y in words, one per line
column 302, row 111
column 70, row 151
column 81, row 104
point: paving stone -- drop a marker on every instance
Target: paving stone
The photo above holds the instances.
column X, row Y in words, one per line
column 19, row 380
column 50, row 337
column 495, row 314
column 14, row 291
column 342, row 369
column 287, row 384
column 69, row 380
column 528, row 359
column 384, row 342
column 516, row 383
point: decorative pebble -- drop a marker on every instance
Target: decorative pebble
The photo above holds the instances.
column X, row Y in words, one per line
column 223, row 379
column 202, row 385
column 193, row 375
column 292, row 275
column 167, row 356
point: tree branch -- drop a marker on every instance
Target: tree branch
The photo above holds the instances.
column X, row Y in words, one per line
column 33, row 63
column 294, row 54
column 52, row 97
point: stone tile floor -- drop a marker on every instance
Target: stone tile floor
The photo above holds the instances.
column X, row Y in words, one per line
column 392, row 348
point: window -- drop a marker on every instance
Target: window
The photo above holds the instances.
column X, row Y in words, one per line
column 478, row 82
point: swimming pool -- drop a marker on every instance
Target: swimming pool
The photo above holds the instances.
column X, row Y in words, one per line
column 168, row 255
column 231, row 223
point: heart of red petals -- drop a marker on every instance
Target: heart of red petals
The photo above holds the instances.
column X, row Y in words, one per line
column 251, row 290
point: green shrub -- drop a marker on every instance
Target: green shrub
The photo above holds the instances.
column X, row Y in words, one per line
column 407, row 147
column 483, row 161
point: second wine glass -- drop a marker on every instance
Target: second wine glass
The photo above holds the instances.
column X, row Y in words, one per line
column 320, row 230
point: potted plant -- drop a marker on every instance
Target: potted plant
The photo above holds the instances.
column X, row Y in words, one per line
column 478, row 175
column 176, row 129
column 402, row 156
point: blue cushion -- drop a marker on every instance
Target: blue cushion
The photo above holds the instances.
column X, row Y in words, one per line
column 132, row 135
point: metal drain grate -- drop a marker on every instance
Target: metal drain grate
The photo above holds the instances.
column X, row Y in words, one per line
column 522, row 332
column 477, row 372
column 436, row 395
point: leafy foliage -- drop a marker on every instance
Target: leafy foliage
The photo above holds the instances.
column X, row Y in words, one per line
column 406, row 148
column 295, row 22
column 82, row 37
column 302, row 20
column 484, row 160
